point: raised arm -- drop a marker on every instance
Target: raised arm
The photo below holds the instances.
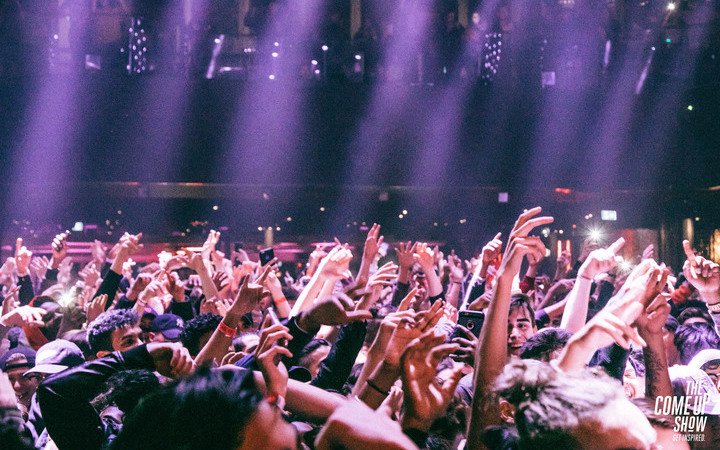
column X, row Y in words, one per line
column 704, row 275
column 598, row 261
column 333, row 267
column 247, row 298
column 370, row 252
column 492, row 347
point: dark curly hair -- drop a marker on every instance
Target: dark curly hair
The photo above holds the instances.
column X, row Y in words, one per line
column 99, row 332
column 126, row 388
column 210, row 409
column 542, row 345
column 195, row 328
column 690, row 339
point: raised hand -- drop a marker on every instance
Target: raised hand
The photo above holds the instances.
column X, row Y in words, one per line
column 175, row 287
column 23, row 257
column 196, row 262
column 608, row 326
column 249, row 295
column 39, row 267
column 23, row 315
column 382, row 278
column 59, row 248
column 601, row 260
column 268, row 355
column 10, row 301
column 331, row 310
column 141, row 282
column 456, row 271
column 425, row 398
column 652, row 319
column 405, row 252
column 176, row 262
column 222, row 284
column 95, row 308
column 210, row 243
column 409, row 329
column 588, row 246
column 649, row 252
column 424, row 256
column 520, row 245
column 128, row 244
column 467, row 345
column 491, row 250
column 703, row 274
column 7, row 272
column 90, row 275
column 372, row 243
column 387, row 327
column 336, row 263
column 98, row 252
column 563, row 265
column 315, row 257
column 171, row 359
column 152, row 293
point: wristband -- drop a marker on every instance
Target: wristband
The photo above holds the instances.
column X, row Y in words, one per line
column 375, row 386
column 280, row 300
column 227, row 330
column 714, row 308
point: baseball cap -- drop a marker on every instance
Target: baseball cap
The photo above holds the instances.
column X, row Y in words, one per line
column 703, row 357
column 57, row 356
column 169, row 325
column 18, row 357
column 692, row 379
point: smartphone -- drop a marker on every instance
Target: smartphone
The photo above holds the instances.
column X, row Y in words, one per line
column 266, row 255
column 472, row 320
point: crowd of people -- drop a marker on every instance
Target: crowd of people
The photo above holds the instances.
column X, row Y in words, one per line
column 419, row 349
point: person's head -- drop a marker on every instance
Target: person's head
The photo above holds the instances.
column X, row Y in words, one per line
column 313, row 354
column 709, row 362
column 664, row 425
column 246, row 342
column 13, row 439
column 216, row 410
column 166, row 328
column 56, row 356
column 146, row 321
column 634, row 375
column 521, row 323
column 690, row 339
column 126, row 388
column 546, row 344
column 198, row 330
column 562, row 410
column 421, row 285
column 15, row 363
column 114, row 330
column 693, row 314
column 79, row 338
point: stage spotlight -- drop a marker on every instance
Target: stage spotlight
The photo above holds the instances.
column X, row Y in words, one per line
column 595, row 234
